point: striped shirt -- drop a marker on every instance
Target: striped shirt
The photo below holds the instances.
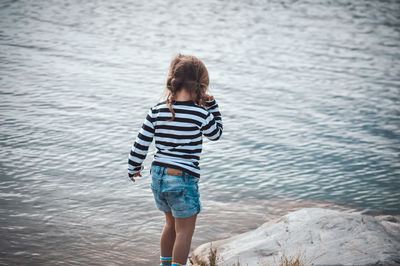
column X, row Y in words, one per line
column 178, row 142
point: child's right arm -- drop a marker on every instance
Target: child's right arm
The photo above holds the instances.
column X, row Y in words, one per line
column 212, row 126
column 140, row 147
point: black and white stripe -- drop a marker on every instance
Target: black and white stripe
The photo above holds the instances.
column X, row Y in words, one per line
column 178, row 142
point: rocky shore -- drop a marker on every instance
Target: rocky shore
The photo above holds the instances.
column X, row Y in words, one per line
column 318, row 236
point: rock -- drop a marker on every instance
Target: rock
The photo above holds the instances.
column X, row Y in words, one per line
column 323, row 236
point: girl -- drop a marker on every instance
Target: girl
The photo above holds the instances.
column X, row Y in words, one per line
column 177, row 125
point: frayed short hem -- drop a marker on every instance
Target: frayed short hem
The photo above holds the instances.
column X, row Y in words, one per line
column 187, row 213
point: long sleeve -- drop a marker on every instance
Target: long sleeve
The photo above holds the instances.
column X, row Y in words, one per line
column 212, row 126
column 141, row 145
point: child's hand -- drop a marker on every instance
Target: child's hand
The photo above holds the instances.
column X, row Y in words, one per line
column 208, row 97
column 135, row 175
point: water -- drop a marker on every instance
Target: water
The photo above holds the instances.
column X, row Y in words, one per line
column 309, row 92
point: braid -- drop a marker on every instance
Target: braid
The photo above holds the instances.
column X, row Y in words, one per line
column 170, row 102
column 200, row 93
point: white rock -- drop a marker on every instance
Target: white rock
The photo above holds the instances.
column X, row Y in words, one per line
column 324, row 237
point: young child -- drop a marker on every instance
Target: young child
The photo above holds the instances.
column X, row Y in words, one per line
column 178, row 125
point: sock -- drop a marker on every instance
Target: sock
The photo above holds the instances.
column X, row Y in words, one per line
column 177, row 264
column 165, row 261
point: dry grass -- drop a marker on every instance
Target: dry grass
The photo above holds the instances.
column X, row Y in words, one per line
column 212, row 259
column 299, row 259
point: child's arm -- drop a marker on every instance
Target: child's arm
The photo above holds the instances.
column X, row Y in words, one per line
column 140, row 147
column 212, row 125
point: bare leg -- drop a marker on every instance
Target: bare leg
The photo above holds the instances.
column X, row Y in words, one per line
column 168, row 235
column 184, row 228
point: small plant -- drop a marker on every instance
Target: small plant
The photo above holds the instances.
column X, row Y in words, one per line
column 300, row 259
column 212, row 259
column 237, row 264
column 195, row 260
column 297, row 260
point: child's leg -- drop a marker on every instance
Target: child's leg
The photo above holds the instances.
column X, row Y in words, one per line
column 168, row 235
column 184, row 228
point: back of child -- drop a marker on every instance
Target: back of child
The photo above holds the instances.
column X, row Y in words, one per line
column 178, row 125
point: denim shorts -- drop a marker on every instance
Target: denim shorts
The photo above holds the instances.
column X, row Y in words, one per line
column 179, row 194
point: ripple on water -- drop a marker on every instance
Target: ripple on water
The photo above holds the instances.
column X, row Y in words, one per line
column 309, row 93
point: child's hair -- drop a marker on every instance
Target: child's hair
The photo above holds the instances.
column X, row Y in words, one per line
column 187, row 71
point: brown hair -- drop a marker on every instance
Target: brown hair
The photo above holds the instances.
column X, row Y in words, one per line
column 190, row 73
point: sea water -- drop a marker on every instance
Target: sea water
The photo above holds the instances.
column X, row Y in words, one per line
column 309, row 92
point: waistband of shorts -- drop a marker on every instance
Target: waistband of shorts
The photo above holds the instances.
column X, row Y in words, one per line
column 186, row 171
column 167, row 170
column 164, row 171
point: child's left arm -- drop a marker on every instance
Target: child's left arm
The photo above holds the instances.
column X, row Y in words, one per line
column 212, row 125
column 140, row 147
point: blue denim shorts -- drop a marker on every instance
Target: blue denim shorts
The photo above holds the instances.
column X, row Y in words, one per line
column 179, row 194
